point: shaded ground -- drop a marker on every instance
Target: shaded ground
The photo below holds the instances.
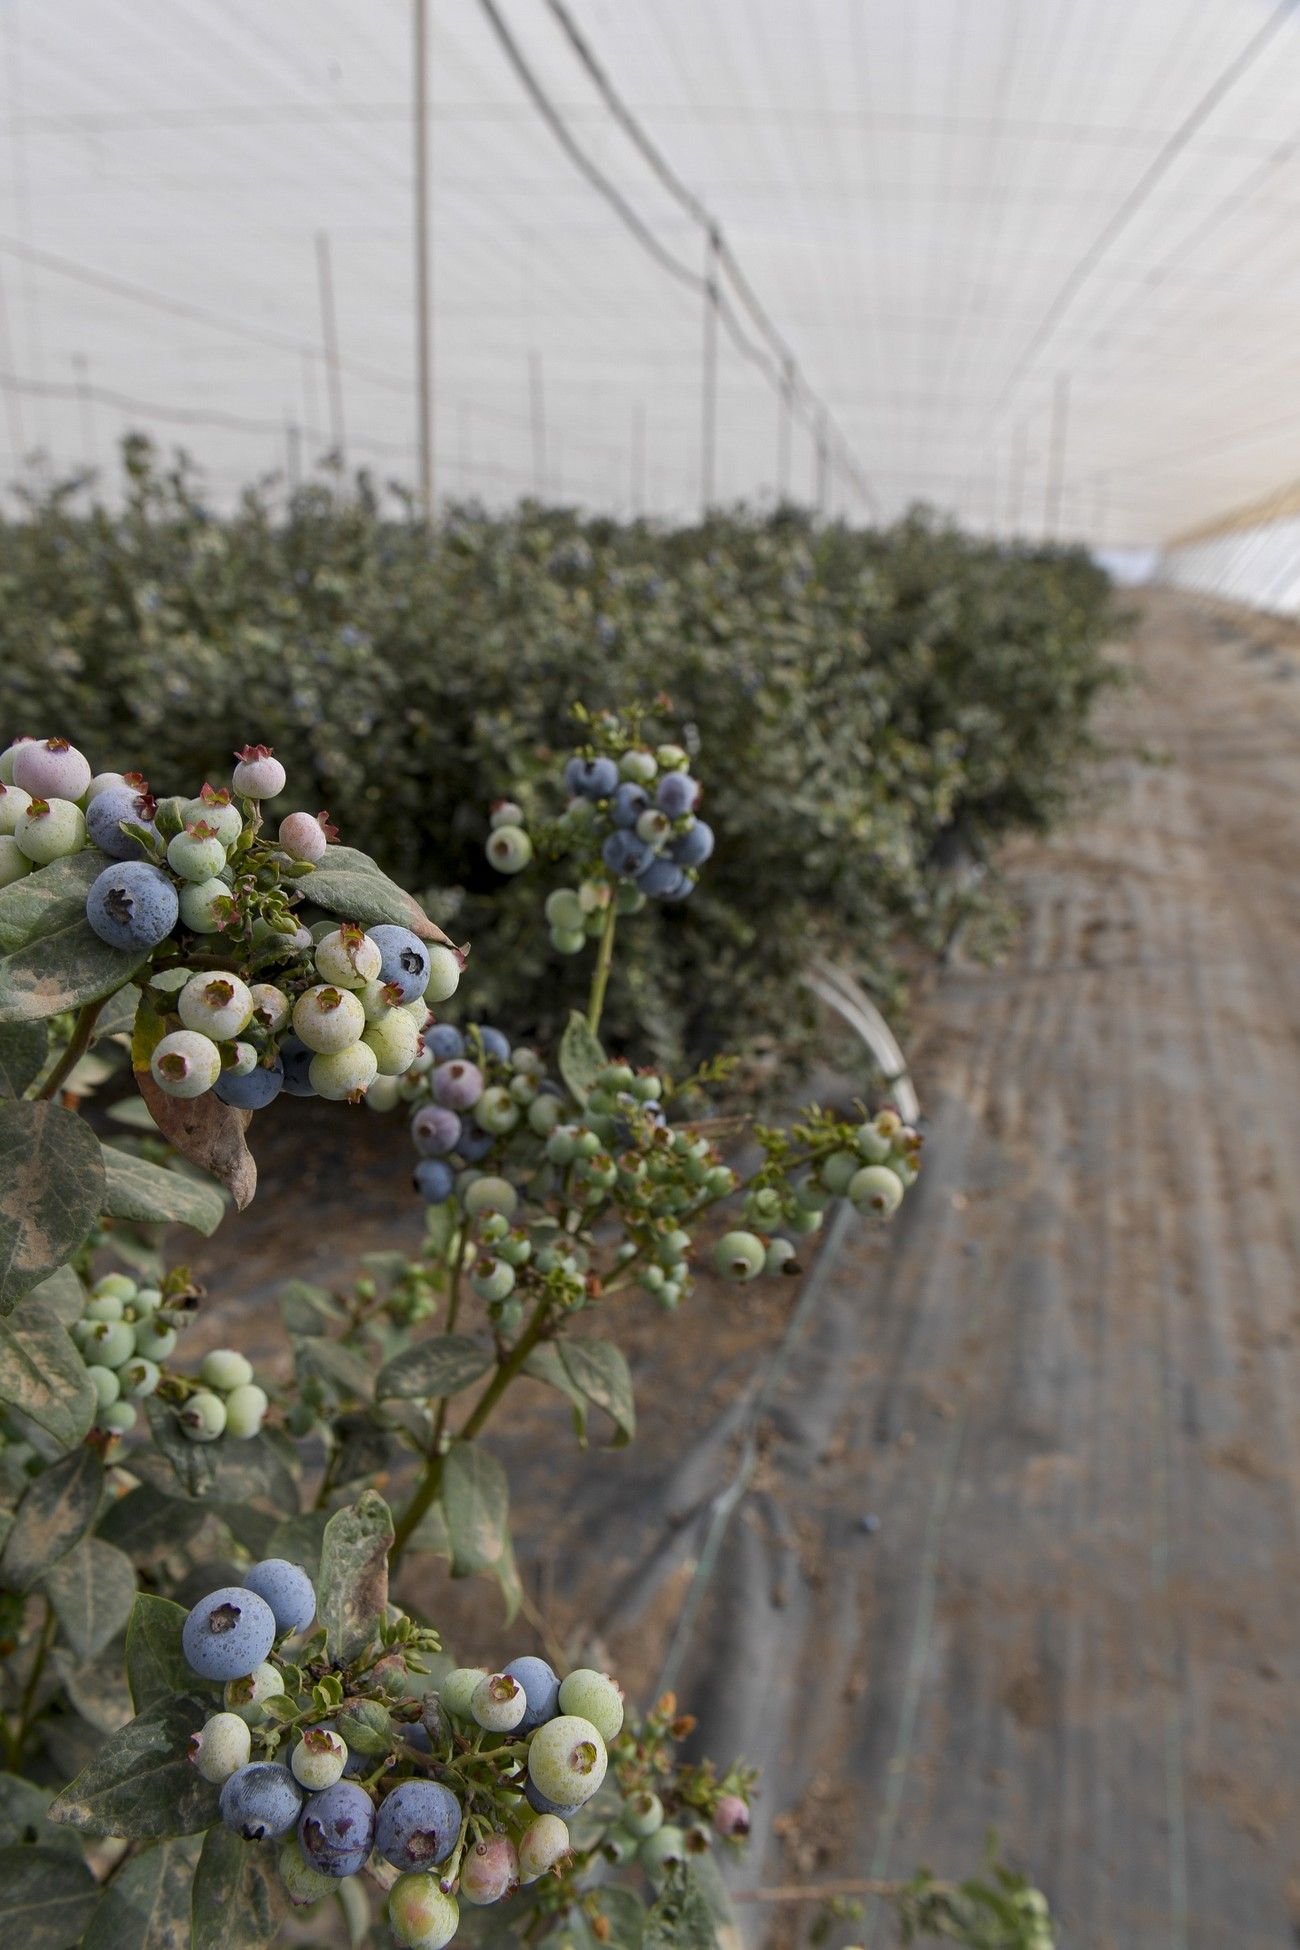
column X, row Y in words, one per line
column 1066, row 1385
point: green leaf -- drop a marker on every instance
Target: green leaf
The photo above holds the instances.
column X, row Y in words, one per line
column 366, row 1727
column 352, row 1589
column 349, row 884
column 581, row 1058
column 55, row 1513
column 544, row 1364
column 51, row 1193
column 151, row 1195
column 624, row 1913
column 48, row 1897
column 91, row 1590
column 215, row 1472
column 343, row 1372
column 433, row 1369
column 43, row 1375
column 61, row 970
column 23, row 1818
column 117, row 1017
column 681, row 1919
column 476, row 1501
column 140, row 1784
column 63, row 1294
column 300, row 1539
column 238, row 1901
column 146, row 1523
column 23, row 1050
column 156, row 1668
column 43, row 902
column 306, row 1309
column 147, row 1904
column 600, row 1370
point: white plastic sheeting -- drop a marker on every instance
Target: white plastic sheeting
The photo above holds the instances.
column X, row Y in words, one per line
column 1257, row 564
column 1036, row 259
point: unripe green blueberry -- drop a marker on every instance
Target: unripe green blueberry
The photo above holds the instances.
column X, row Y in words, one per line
column 498, row 1702
column 203, row 903
column 628, row 897
column 544, row 1113
column 117, row 1286
column 385, row 1093
column 240, row 1060
column 110, row 1343
column 328, row 1019
column 318, row 1759
column 147, row 1299
column 380, row 999
column 568, row 941
column 594, row 897
column 739, row 1255
column 494, row 1228
column 105, row 1306
column 395, row 1040
column 270, row 1006
column 506, row 813
column 303, row 1884
column 562, row 1144
column 596, row 1697
column 491, row 1194
column 106, row 1384
column 496, row 1111
column 522, row 1089
column 13, row 804
column 348, row 957
column 837, row 1170
column 246, row 1408
column 509, row 849
column 420, row 1915
column 49, row 830
column 139, row 1378
column 492, row 1279
column 872, row 1144
column 672, row 758
column 516, row 1250
column 118, row 1418
column 764, row 1204
column 876, row 1189
column 903, row 1171
column 639, row 766
column 196, row 855
column 779, row 1257
column 567, row 1760
column 203, row 1417
column 564, row 911
column 444, row 973
column 643, row 1813
column 247, row 1697
column 185, row 1064
column 340, row 1074
column 811, row 1196
column 801, row 1221
column 14, row 863
column 544, row 1843
column 664, row 1850
column 221, row 1747
column 225, row 1368
column 217, row 1005
column 619, row 1847
column 154, row 1340
column 457, row 1689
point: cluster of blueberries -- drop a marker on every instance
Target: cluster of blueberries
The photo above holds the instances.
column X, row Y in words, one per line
column 471, row 1090
column 353, row 1003
column 126, row 1334
column 551, row 1735
column 634, row 815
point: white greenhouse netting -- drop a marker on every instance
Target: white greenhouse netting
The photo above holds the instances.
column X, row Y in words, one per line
column 1031, row 260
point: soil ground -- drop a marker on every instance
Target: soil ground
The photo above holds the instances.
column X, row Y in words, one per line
column 1013, row 1533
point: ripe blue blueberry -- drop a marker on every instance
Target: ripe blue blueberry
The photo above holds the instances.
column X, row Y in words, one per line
column 434, row 1181
column 676, row 793
column 260, row 1800
column 104, row 817
column 337, row 1828
column 628, row 804
column 444, row 1042
column 494, row 1042
column 228, row 1633
column 661, row 878
column 594, row 778
column 625, row 854
column 541, row 1689
column 405, row 959
column 255, row 1091
column 417, row 1825
column 296, row 1061
column 543, row 1805
column 693, row 847
column 473, row 1144
column 434, row 1130
column 132, row 906
column 287, row 1590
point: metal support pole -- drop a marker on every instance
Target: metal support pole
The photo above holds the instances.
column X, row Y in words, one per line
column 81, row 367
column 823, row 465
column 709, row 399
column 638, row 459
column 1056, row 454
column 537, row 412
column 784, row 428
column 330, row 338
column 423, row 304
column 1019, row 456
column 293, row 455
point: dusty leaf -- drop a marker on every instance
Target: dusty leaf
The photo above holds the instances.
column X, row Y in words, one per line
column 43, row 1375
column 475, row 1501
column 147, row 1904
column 156, row 1667
column 238, row 1901
column 600, row 1370
column 91, row 1590
column 151, row 1195
column 49, row 1896
column 140, row 1784
column 51, row 1193
column 56, row 1511
column 434, row 1368
column 581, row 1058
column 23, row 1049
column 207, row 1132
column 349, row 884
column 352, row 1588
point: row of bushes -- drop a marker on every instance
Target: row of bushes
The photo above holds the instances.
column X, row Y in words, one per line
column 862, row 700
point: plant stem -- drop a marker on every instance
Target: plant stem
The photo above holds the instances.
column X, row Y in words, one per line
column 19, row 1735
column 87, row 1017
column 453, row 1308
column 604, row 960
column 426, row 1490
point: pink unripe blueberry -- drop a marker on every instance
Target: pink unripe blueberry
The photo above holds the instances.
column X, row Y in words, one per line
column 258, row 774
column 489, row 1870
column 457, row 1084
column 51, row 769
column 421, row 1914
column 731, row 1817
column 303, row 837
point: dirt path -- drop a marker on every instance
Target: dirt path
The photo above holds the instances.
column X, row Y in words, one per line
column 1065, row 1386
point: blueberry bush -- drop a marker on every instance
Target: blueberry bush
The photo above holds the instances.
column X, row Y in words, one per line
column 214, row 1713
column 878, row 706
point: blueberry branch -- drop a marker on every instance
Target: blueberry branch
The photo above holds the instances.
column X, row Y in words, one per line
column 600, row 973
column 79, row 1043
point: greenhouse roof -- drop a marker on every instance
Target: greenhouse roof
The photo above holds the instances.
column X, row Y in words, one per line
column 1031, row 260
